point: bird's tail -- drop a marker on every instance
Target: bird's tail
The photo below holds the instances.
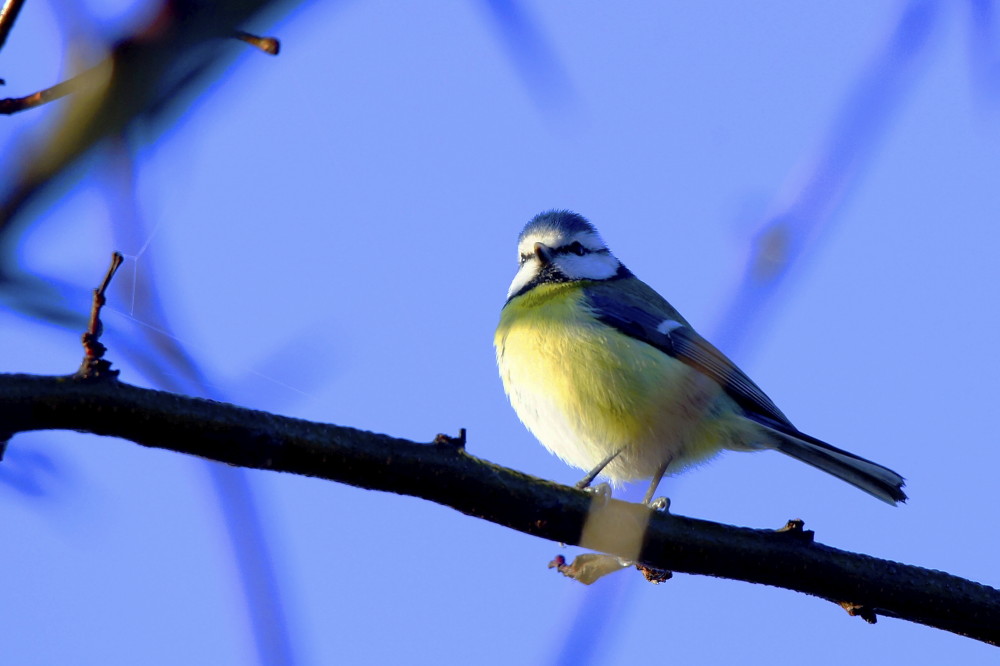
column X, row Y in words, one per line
column 870, row 477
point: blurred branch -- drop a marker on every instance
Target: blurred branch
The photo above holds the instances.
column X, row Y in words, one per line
column 984, row 56
column 162, row 358
column 444, row 473
column 820, row 186
column 143, row 76
column 536, row 62
column 791, row 232
column 11, row 105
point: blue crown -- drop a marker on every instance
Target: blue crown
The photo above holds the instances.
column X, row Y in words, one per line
column 563, row 221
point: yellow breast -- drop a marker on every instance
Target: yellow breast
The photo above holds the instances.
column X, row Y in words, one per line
column 586, row 390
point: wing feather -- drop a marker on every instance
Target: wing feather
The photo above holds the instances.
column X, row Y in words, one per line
column 633, row 308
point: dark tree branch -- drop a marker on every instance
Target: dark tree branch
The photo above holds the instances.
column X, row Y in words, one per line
column 446, row 474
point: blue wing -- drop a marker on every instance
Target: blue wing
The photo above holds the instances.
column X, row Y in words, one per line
column 635, row 309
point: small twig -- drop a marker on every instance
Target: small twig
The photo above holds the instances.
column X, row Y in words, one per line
column 795, row 528
column 13, row 105
column 95, row 366
column 447, row 440
column 859, row 610
column 8, row 14
column 269, row 45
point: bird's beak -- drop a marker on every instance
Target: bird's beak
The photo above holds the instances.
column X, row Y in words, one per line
column 544, row 253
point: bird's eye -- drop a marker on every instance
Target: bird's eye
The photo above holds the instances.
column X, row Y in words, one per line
column 524, row 257
column 577, row 248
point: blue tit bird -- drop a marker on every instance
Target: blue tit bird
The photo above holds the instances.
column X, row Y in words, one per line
column 612, row 379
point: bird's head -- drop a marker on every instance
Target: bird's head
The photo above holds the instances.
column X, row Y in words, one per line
column 560, row 246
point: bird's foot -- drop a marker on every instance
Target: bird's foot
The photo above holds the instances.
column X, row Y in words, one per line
column 602, row 490
column 660, row 504
column 585, row 482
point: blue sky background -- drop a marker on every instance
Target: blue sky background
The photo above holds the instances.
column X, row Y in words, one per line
column 332, row 232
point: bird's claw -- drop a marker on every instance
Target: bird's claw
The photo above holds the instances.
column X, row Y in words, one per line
column 601, row 492
column 660, row 504
column 602, row 489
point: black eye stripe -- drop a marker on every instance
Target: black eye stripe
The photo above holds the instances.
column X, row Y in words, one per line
column 570, row 249
column 575, row 247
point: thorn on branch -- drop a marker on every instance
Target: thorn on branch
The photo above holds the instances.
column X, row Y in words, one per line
column 858, row 610
column 94, row 366
column 457, row 443
column 269, row 45
column 794, row 529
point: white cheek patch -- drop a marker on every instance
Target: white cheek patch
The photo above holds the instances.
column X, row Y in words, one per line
column 596, row 266
column 668, row 325
column 525, row 274
column 592, row 241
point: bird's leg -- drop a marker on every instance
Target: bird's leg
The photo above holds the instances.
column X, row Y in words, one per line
column 657, row 477
column 585, row 482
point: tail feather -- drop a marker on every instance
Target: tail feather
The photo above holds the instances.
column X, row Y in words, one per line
column 874, row 479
